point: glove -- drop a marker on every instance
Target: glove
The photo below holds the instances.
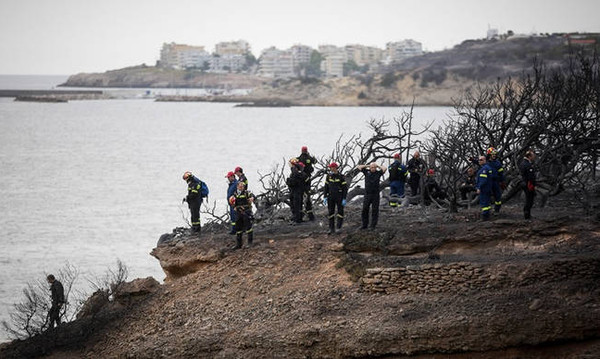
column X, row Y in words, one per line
column 343, row 202
column 530, row 186
column 503, row 185
column 183, row 200
column 324, row 201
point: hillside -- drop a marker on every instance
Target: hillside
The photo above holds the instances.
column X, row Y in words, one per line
column 436, row 78
column 438, row 285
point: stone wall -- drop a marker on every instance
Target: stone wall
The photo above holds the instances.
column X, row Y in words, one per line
column 467, row 276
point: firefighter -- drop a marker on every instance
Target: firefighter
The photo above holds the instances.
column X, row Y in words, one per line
column 296, row 183
column 232, row 182
column 58, row 300
column 309, row 162
column 484, row 187
column 528, row 175
column 468, row 184
column 241, row 177
column 431, row 189
column 497, row 177
column 194, row 199
column 416, row 166
column 398, row 174
column 371, row 198
column 242, row 201
column 335, row 192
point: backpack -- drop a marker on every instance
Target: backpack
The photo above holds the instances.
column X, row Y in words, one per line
column 203, row 189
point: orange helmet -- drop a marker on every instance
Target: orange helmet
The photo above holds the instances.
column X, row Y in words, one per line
column 186, row 175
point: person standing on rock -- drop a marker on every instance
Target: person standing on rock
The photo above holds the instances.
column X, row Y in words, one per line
column 309, row 162
column 57, row 293
column 484, row 187
column 398, row 174
column 193, row 199
column 232, row 186
column 371, row 198
column 296, row 182
column 242, row 201
column 528, row 174
column 334, row 195
column 416, row 166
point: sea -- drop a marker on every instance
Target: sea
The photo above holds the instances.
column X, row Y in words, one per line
column 92, row 182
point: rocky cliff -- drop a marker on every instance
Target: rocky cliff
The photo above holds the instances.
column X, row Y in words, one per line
column 423, row 284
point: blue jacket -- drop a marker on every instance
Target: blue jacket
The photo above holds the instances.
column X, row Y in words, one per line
column 398, row 171
column 231, row 189
column 497, row 170
column 484, row 178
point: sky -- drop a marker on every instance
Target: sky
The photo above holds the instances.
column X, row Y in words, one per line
column 64, row 37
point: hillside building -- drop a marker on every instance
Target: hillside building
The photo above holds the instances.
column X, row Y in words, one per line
column 400, row 50
column 181, row 56
column 333, row 60
column 239, row 47
column 276, row 63
column 364, row 55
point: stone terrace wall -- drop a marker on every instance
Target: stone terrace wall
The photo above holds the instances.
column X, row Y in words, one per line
column 466, row 276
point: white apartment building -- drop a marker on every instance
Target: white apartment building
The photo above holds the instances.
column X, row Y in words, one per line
column 183, row 56
column 333, row 60
column 364, row 55
column 397, row 51
column 227, row 63
column 239, row 47
column 276, row 63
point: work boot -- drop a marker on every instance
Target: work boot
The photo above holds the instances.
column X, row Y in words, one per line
column 311, row 217
column 339, row 223
column 250, row 238
column 238, row 241
column 331, row 226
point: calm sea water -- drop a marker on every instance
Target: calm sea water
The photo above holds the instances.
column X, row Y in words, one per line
column 90, row 182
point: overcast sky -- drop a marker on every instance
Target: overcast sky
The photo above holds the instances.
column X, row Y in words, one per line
column 72, row 36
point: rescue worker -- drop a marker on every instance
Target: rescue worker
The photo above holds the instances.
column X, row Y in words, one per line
column 334, row 195
column 528, row 175
column 432, row 189
column 398, row 174
column 415, row 166
column 468, row 184
column 497, row 177
column 484, row 187
column 194, row 199
column 230, row 191
column 309, row 162
column 296, row 184
column 57, row 293
column 242, row 201
column 239, row 172
column 371, row 198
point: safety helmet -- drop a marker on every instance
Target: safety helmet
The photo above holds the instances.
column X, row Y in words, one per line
column 301, row 164
column 293, row 160
column 186, row 175
column 492, row 151
column 333, row 165
column 304, row 149
column 232, row 200
column 230, row 174
column 396, row 155
column 238, row 169
column 430, row 172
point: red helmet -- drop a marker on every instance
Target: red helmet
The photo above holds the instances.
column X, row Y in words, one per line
column 230, row 174
column 396, row 155
column 301, row 164
column 333, row 165
column 430, row 172
column 238, row 169
column 492, row 151
column 304, row 149
column 186, row 175
column 232, row 200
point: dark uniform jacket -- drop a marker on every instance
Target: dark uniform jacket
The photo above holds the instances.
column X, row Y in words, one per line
column 242, row 201
column 194, row 187
column 398, row 172
column 296, row 180
column 416, row 165
column 335, row 186
column 308, row 161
